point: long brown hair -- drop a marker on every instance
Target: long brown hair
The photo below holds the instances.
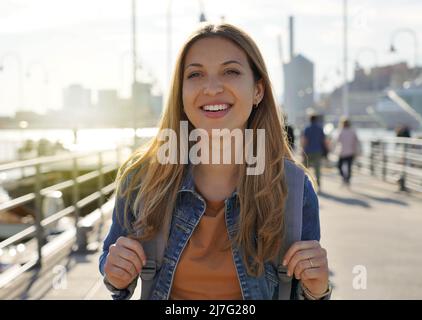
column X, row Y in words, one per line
column 261, row 197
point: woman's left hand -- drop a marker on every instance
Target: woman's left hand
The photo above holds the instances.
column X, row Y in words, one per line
column 307, row 260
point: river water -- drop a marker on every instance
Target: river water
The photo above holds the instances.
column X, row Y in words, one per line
column 94, row 139
column 86, row 139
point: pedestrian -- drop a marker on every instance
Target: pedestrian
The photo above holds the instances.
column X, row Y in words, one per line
column 223, row 230
column 314, row 144
column 402, row 131
column 348, row 147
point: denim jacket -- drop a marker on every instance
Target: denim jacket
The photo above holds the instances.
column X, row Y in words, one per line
column 189, row 208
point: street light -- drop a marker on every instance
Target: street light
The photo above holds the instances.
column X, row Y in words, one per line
column 134, row 69
column 345, row 95
column 415, row 42
column 20, row 76
column 134, row 48
column 280, row 56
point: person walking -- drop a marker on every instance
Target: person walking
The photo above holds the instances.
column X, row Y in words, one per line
column 348, row 147
column 314, row 144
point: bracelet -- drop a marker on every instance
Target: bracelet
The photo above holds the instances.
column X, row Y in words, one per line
column 311, row 296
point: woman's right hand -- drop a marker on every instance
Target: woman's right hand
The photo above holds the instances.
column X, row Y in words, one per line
column 124, row 262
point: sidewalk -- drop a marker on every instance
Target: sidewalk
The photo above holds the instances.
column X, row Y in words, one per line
column 374, row 226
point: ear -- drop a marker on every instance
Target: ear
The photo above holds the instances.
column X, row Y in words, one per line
column 259, row 91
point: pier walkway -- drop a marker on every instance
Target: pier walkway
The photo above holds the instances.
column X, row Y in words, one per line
column 372, row 233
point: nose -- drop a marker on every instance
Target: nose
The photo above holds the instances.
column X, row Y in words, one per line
column 213, row 86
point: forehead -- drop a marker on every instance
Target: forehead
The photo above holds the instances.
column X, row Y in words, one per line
column 214, row 50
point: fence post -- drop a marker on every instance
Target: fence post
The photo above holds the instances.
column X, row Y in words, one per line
column 402, row 180
column 75, row 194
column 384, row 161
column 372, row 157
column 38, row 213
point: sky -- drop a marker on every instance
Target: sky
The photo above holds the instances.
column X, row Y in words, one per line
column 88, row 42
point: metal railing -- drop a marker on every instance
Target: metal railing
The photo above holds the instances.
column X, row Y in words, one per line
column 44, row 165
column 397, row 160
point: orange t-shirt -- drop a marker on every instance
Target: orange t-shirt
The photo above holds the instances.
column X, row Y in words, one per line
column 206, row 269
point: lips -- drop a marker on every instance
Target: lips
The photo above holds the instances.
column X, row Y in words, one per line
column 215, row 107
column 216, row 110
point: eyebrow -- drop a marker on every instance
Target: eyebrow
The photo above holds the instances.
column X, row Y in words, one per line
column 224, row 63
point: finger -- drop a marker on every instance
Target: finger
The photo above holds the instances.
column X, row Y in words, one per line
column 312, row 274
column 126, row 265
column 297, row 246
column 302, row 255
column 306, row 264
column 130, row 256
column 116, row 272
column 118, row 252
column 135, row 246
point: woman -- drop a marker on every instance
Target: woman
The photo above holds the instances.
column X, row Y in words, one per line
column 348, row 147
column 211, row 210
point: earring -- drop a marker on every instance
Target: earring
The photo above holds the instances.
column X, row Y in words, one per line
column 256, row 105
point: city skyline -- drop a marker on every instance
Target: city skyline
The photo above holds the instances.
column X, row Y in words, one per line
column 88, row 42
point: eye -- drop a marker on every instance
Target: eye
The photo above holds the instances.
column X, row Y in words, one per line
column 232, row 72
column 193, row 75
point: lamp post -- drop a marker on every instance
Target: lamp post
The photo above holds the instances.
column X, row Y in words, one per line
column 415, row 42
column 20, row 75
column 280, row 56
column 169, row 43
column 345, row 95
column 134, row 67
column 134, row 48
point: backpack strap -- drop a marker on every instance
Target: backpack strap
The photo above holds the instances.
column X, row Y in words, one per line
column 295, row 179
column 154, row 251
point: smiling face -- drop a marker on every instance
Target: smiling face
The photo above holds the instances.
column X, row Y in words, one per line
column 219, row 90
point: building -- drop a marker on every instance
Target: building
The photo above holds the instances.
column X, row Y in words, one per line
column 381, row 77
column 298, row 89
column 384, row 96
column 76, row 97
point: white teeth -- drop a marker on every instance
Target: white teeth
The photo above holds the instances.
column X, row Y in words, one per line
column 216, row 107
